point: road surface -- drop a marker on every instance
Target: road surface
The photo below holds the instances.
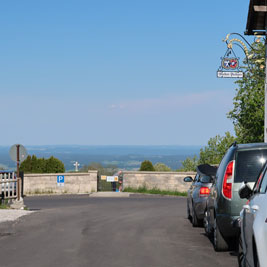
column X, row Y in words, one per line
column 107, row 232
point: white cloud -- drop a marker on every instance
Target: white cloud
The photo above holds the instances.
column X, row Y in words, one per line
column 177, row 102
column 116, row 106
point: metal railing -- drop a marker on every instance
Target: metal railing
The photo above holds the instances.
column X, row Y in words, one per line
column 8, row 185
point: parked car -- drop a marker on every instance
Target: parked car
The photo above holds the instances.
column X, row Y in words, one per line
column 253, row 223
column 198, row 193
column 242, row 162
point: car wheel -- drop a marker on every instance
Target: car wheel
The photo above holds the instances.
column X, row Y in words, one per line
column 257, row 264
column 206, row 223
column 256, row 260
column 218, row 241
column 195, row 220
column 241, row 257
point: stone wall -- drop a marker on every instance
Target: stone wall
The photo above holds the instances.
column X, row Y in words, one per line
column 84, row 183
column 74, row 183
column 172, row 181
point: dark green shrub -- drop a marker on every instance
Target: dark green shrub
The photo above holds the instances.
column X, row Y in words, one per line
column 146, row 165
column 34, row 165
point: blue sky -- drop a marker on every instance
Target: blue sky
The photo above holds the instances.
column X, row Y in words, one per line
column 115, row 72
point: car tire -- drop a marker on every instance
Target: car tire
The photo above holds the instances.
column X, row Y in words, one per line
column 206, row 223
column 189, row 217
column 257, row 264
column 218, row 241
column 195, row 221
column 255, row 254
column 240, row 255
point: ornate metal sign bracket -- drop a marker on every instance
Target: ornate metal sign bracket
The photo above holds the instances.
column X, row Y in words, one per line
column 229, row 65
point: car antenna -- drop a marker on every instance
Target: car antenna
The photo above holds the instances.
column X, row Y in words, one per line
column 233, row 144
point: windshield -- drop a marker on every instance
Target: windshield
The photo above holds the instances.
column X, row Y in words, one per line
column 248, row 164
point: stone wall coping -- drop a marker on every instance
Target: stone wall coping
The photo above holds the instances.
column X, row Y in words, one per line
column 56, row 174
column 95, row 172
column 153, row 172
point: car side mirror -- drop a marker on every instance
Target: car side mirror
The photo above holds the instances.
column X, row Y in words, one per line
column 188, row 179
column 245, row 191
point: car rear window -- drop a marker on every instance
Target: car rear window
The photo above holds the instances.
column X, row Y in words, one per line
column 248, row 164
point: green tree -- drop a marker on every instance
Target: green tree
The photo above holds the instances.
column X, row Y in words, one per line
column 216, row 148
column 189, row 164
column 35, row 168
column 26, row 165
column 38, row 165
column 53, row 165
column 34, row 165
column 211, row 154
column 146, row 165
column 248, row 111
column 161, row 167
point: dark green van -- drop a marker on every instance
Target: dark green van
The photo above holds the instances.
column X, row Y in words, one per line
column 242, row 162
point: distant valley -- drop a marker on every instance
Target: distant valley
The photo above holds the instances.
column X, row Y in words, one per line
column 124, row 157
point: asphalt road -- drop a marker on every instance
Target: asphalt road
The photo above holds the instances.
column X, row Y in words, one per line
column 107, row 232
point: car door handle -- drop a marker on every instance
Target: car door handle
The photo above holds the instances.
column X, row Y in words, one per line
column 255, row 208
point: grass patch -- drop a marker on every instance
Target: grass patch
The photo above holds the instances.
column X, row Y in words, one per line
column 4, row 205
column 40, row 192
column 156, row 191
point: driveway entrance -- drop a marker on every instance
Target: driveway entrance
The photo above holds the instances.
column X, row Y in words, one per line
column 106, row 183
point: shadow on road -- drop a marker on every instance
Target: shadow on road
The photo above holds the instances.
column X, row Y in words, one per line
column 233, row 247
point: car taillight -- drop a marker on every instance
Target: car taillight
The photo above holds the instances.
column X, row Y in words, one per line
column 204, row 191
column 228, row 180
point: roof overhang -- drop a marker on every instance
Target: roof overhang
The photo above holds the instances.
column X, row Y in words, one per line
column 256, row 22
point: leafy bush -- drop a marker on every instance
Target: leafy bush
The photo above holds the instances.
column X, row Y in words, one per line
column 211, row 154
column 146, row 165
column 216, row 148
column 189, row 164
column 34, row 165
column 161, row 167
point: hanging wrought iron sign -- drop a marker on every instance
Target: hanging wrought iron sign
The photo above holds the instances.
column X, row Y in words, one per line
column 229, row 66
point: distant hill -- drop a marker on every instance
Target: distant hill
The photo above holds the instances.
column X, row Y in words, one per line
column 125, row 157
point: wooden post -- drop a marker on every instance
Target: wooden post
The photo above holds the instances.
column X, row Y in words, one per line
column 18, row 179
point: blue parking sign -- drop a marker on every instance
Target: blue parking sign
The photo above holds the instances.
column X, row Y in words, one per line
column 60, row 180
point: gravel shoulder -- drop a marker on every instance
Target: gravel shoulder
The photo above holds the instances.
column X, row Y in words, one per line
column 12, row 215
